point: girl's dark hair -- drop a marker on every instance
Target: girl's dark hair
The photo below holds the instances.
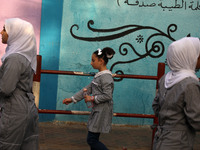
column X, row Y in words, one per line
column 105, row 54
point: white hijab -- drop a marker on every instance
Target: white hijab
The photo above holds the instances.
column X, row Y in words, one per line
column 182, row 58
column 21, row 40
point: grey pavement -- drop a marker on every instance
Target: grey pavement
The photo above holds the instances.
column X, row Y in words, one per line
column 72, row 136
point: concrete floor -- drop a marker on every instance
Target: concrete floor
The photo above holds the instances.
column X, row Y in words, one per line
column 72, row 136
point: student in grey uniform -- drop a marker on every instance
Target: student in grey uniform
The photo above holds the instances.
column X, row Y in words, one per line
column 177, row 103
column 18, row 113
column 101, row 90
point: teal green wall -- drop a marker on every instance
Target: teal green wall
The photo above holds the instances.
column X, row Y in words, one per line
column 158, row 23
column 51, row 18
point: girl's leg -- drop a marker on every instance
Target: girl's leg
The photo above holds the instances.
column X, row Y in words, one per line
column 93, row 141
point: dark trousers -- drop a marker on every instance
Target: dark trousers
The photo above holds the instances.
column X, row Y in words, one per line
column 93, row 141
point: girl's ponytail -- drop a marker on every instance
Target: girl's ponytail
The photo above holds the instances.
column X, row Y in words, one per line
column 106, row 53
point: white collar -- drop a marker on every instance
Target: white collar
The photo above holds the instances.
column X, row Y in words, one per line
column 103, row 72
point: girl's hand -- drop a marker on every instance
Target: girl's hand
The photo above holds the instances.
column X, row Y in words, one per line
column 67, row 101
column 88, row 98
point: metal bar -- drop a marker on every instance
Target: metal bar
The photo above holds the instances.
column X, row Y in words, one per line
column 72, row 112
column 160, row 72
column 92, row 74
column 47, row 111
column 133, row 115
column 66, row 72
column 37, row 75
column 135, row 76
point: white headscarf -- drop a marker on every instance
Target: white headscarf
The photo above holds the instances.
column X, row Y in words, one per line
column 21, row 40
column 182, row 58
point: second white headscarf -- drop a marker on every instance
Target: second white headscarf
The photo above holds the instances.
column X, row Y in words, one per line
column 21, row 39
column 182, row 58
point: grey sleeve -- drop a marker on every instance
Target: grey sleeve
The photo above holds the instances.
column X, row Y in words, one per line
column 192, row 107
column 11, row 71
column 80, row 95
column 107, row 85
column 155, row 104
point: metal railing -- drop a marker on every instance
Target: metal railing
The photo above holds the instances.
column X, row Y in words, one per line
column 160, row 73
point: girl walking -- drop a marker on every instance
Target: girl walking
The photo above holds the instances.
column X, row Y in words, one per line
column 99, row 93
column 177, row 103
column 18, row 113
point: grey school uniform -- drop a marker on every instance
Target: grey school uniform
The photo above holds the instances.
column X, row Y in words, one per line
column 101, row 88
column 178, row 110
column 18, row 114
